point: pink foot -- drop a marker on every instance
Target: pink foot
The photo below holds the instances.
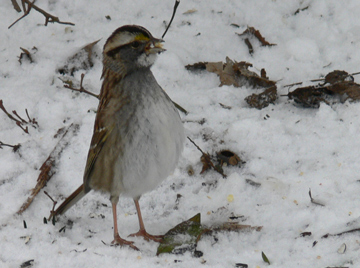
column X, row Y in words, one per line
column 122, row 242
column 147, row 236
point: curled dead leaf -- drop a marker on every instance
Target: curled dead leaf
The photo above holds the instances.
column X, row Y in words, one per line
column 81, row 60
column 337, row 76
column 263, row 99
column 228, row 157
column 346, row 90
column 308, row 97
column 232, row 73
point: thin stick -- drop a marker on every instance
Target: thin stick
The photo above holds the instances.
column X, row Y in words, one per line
column 342, row 233
column 314, row 201
column 26, row 12
column 48, row 17
column 8, row 114
column 47, row 168
column 16, row 5
column 54, row 202
column 316, row 80
column 291, row 85
column 18, row 116
column 14, row 147
column 81, row 89
column 177, row 2
column 207, row 157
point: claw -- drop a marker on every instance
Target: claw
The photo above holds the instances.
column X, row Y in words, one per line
column 122, row 242
column 147, row 236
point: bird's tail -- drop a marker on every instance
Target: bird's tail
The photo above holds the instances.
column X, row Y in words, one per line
column 69, row 202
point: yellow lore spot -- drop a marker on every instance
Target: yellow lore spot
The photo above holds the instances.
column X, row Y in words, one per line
column 230, row 198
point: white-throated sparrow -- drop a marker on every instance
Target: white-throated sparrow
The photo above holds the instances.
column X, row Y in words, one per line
column 138, row 134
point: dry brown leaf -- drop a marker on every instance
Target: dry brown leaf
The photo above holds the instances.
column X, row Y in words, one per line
column 199, row 66
column 82, row 60
column 26, row 53
column 263, row 99
column 341, row 88
column 224, row 71
column 237, row 74
column 228, row 157
column 347, row 90
column 205, row 160
column 336, row 77
column 308, row 97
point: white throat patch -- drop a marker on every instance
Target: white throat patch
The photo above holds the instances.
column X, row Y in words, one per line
column 146, row 60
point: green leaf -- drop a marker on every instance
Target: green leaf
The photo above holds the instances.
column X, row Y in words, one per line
column 264, row 257
column 183, row 237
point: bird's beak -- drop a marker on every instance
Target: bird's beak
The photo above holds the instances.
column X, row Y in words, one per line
column 154, row 46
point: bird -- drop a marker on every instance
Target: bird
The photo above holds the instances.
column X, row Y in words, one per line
column 138, row 134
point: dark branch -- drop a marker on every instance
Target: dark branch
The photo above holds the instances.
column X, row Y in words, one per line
column 20, row 122
column 81, row 89
column 14, row 147
column 16, row 5
column 177, row 2
column 48, row 17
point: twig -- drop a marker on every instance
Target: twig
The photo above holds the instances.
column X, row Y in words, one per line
column 47, row 168
column 31, row 121
column 291, row 85
column 6, row 112
column 315, row 80
column 177, row 2
column 314, row 201
column 26, row 53
column 249, row 45
column 257, row 34
column 26, row 12
column 54, row 202
column 16, row 5
column 302, row 9
column 48, row 17
column 342, row 233
column 15, row 147
column 206, row 157
column 18, row 116
column 19, row 122
column 81, row 89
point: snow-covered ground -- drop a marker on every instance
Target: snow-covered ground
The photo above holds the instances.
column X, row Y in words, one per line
column 287, row 149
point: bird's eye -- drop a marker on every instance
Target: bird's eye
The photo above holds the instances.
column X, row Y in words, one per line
column 135, row 44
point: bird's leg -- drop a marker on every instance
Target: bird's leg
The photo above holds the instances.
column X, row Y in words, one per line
column 117, row 239
column 142, row 232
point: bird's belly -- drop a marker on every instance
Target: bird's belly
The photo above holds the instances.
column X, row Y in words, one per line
column 154, row 145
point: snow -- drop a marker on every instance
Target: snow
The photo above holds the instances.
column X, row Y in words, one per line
column 287, row 149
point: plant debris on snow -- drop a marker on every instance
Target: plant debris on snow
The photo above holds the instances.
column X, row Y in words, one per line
column 338, row 87
column 237, row 74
